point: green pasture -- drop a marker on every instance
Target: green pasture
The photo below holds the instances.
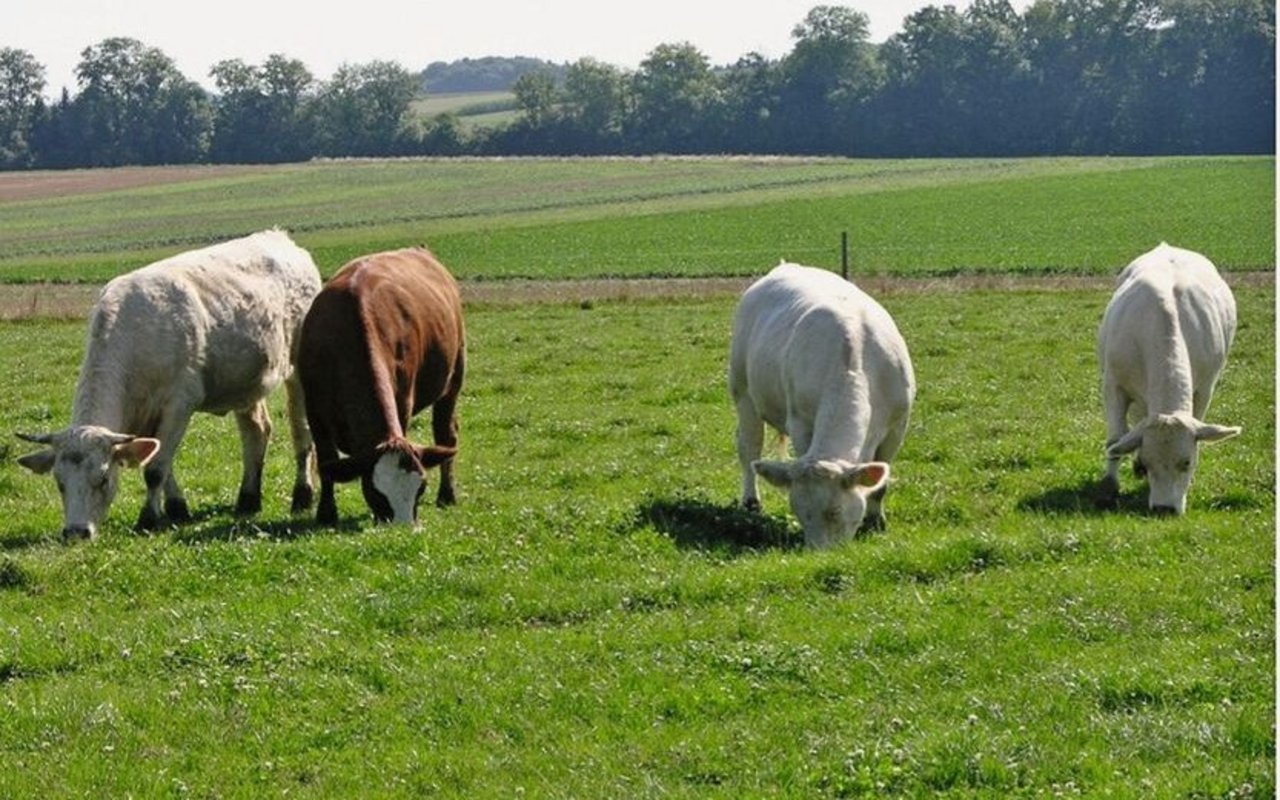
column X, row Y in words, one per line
column 578, row 218
column 596, row 618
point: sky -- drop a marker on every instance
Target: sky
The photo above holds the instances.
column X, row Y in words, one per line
column 324, row 35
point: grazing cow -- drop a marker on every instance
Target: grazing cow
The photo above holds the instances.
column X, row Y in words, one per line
column 383, row 340
column 211, row 330
column 1162, row 344
column 822, row 363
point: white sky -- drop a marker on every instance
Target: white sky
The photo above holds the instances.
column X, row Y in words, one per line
column 324, row 35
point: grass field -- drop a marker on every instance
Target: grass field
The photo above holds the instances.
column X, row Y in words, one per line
column 473, row 109
column 578, row 218
column 595, row 619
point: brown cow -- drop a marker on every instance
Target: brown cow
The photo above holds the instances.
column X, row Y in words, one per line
column 383, row 340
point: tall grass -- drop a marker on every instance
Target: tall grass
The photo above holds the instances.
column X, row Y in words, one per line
column 596, row 619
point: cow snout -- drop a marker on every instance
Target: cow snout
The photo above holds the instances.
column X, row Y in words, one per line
column 1164, row 511
column 73, row 533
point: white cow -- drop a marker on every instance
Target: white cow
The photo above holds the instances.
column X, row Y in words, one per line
column 210, row 330
column 822, row 363
column 1162, row 344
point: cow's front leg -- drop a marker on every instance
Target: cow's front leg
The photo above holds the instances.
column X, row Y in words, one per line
column 1116, row 406
column 255, row 431
column 164, row 495
column 750, row 440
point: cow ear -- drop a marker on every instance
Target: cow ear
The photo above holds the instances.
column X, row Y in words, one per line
column 136, row 452
column 1215, row 433
column 39, row 462
column 778, row 473
column 434, row 454
column 867, row 477
column 343, row 470
column 1127, row 443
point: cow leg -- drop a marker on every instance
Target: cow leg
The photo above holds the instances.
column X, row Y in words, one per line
column 750, row 440
column 1116, row 406
column 444, row 429
column 326, row 453
column 164, row 495
column 255, row 430
column 303, row 451
column 889, row 446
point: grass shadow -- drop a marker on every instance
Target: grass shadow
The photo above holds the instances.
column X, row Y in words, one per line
column 696, row 523
column 1086, row 498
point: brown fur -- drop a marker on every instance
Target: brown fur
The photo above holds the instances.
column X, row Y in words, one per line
column 383, row 340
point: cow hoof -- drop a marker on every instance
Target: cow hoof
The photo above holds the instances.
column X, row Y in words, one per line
column 248, row 504
column 445, row 499
column 326, row 514
column 752, row 504
column 148, row 520
column 177, row 511
column 303, row 496
column 872, row 524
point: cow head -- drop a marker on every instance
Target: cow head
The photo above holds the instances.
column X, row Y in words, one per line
column 394, row 479
column 1167, row 447
column 828, row 497
column 85, row 461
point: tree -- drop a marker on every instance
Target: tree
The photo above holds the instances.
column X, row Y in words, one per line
column 751, row 90
column 135, row 107
column 21, row 83
column 675, row 94
column 262, row 113
column 593, row 105
column 536, row 97
column 831, row 70
column 364, row 110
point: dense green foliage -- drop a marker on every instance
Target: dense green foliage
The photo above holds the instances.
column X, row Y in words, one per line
column 579, row 218
column 595, row 619
column 1060, row 77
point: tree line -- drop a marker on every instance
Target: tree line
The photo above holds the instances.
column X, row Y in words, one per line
column 1061, row 77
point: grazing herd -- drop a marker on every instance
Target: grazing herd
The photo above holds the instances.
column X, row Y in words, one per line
column 811, row 355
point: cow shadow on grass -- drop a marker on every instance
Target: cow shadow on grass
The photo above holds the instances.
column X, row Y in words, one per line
column 233, row 528
column 1086, row 498
column 698, row 524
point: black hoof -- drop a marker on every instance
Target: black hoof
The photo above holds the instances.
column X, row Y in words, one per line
column 177, row 511
column 326, row 514
column 751, row 505
column 872, row 524
column 445, row 499
column 148, row 520
column 248, row 503
column 303, row 497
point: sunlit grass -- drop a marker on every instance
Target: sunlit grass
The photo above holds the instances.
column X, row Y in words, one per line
column 595, row 619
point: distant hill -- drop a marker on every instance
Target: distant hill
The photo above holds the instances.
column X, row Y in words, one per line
column 488, row 74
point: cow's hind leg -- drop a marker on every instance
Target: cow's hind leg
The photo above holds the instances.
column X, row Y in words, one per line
column 255, row 430
column 303, row 450
column 444, row 430
column 750, row 441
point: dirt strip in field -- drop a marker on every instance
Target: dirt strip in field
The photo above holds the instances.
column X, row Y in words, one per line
column 73, row 301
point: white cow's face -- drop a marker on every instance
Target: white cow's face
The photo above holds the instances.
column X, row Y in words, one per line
column 394, row 487
column 829, row 498
column 1167, row 446
column 85, row 462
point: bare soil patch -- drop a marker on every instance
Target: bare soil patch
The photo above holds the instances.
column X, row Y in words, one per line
column 73, row 301
column 39, row 185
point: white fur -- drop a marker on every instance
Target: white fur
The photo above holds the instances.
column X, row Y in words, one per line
column 1162, row 344
column 822, row 362
column 207, row 330
column 398, row 485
